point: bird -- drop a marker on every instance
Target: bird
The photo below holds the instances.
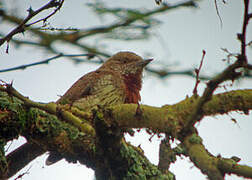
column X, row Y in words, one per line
column 117, row 81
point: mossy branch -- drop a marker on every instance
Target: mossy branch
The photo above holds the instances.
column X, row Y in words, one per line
column 50, row 133
column 21, row 118
column 214, row 167
column 230, row 166
column 54, row 109
column 172, row 119
column 168, row 119
column 201, row 158
column 42, row 129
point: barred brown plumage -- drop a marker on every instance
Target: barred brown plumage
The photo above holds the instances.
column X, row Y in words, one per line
column 117, row 81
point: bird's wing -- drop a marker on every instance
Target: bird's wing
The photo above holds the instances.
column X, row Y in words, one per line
column 97, row 87
column 79, row 89
column 108, row 89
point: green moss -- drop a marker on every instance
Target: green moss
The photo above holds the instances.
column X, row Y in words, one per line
column 3, row 162
column 139, row 167
column 98, row 115
column 9, row 102
column 13, row 118
column 50, row 126
column 46, row 124
column 180, row 150
column 195, row 139
column 73, row 133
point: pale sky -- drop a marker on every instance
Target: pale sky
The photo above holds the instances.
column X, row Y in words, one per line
column 178, row 43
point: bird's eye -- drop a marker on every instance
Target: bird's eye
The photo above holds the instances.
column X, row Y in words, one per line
column 124, row 61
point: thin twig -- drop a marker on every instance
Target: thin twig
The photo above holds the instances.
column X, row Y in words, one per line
column 228, row 74
column 242, row 36
column 164, row 73
column 57, row 4
column 218, row 13
column 46, row 61
column 21, row 27
column 197, row 71
column 21, row 175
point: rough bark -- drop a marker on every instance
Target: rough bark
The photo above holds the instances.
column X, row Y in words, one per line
column 97, row 148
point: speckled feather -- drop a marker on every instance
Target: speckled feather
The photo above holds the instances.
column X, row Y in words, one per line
column 100, row 88
column 117, row 81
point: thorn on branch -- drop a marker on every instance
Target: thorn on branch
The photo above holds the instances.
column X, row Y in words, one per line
column 30, row 11
column 250, row 15
column 7, row 47
column 158, row 2
column 239, row 36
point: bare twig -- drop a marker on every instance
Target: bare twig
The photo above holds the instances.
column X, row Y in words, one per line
column 230, row 55
column 242, row 36
column 46, row 61
column 21, row 175
column 21, row 27
column 197, row 71
column 57, row 4
column 228, row 74
column 72, row 38
column 164, row 73
column 130, row 20
column 218, row 13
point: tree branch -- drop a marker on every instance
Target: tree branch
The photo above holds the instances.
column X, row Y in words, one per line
column 166, row 155
column 168, row 119
column 46, row 39
column 172, row 119
column 21, row 27
column 230, row 166
column 45, row 130
column 228, row 74
column 214, row 167
column 46, row 61
column 242, row 36
column 22, row 156
column 53, row 109
column 54, row 135
column 74, row 144
column 201, row 158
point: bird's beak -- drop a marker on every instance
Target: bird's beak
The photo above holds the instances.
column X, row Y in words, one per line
column 144, row 62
